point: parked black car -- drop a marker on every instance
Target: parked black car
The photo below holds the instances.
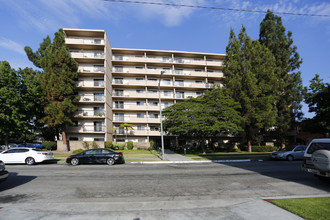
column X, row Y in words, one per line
column 100, row 155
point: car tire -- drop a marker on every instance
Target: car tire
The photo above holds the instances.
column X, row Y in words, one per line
column 74, row 161
column 290, row 158
column 29, row 161
column 110, row 161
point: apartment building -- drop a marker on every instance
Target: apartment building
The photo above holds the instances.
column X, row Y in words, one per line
column 120, row 86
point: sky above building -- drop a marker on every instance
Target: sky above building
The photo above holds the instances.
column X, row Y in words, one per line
column 162, row 27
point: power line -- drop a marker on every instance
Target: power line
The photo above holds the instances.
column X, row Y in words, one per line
column 214, row 8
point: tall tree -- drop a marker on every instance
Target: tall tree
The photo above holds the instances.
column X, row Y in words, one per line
column 250, row 80
column 203, row 117
column 318, row 100
column 290, row 91
column 127, row 127
column 19, row 102
column 57, row 82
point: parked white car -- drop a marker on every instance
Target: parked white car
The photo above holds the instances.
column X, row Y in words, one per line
column 317, row 157
column 28, row 156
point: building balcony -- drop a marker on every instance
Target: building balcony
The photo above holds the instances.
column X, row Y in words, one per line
column 86, row 129
column 88, row 55
column 92, row 99
column 90, row 69
column 82, row 40
column 89, row 114
column 92, row 85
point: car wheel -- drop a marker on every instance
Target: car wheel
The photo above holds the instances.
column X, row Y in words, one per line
column 290, row 158
column 110, row 161
column 74, row 161
column 29, row 161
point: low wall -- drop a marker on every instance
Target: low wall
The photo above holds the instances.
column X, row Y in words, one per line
column 75, row 145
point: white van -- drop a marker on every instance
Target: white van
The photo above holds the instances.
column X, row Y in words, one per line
column 317, row 157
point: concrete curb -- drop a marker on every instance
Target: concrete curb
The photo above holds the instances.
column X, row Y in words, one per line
column 192, row 162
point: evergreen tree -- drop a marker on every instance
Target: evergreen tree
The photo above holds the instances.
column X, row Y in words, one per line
column 250, row 80
column 318, row 100
column 57, row 82
column 290, row 91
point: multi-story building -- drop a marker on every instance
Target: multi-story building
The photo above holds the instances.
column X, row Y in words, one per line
column 120, row 86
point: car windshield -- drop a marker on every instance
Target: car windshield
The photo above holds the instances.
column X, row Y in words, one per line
column 318, row 146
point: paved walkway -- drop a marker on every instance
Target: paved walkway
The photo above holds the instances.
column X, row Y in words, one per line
column 172, row 156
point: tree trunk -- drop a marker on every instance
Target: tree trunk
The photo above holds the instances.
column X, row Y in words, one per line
column 249, row 146
column 65, row 145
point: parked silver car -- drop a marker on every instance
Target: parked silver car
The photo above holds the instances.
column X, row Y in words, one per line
column 296, row 154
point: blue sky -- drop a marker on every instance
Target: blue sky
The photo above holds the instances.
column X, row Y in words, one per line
column 27, row 22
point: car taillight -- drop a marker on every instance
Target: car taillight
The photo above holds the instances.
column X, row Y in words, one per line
column 43, row 153
column 120, row 155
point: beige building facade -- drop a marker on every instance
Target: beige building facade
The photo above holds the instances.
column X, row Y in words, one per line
column 118, row 86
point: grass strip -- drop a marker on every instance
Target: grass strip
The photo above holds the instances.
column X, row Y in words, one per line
column 307, row 208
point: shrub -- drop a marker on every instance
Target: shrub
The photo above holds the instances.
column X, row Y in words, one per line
column 78, row 151
column 130, row 145
column 120, row 146
column 94, row 145
column 85, row 145
column 108, row 144
column 49, row 145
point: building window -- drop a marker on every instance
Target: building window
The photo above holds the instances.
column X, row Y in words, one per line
column 167, row 93
column 153, row 103
column 199, row 81
column 98, row 125
column 119, row 104
column 99, row 82
column 139, row 91
column 210, row 71
column 154, row 128
column 198, row 70
column 119, row 92
column 179, row 95
column 152, row 80
column 199, row 93
column 119, row 116
column 73, row 138
column 98, row 139
column 152, row 91
column 166, row 104
column 179, row 83
column 98, row 111
column 119, row 69
column 99, row 97
column 141, row 127
column 153, row 115
column 140, row 115
column 139, row 67
column 119, row 81
column 139, row 79
column 140, row 103
column 166, row 82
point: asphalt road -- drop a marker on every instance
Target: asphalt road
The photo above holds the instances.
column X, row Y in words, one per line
column 191, row 191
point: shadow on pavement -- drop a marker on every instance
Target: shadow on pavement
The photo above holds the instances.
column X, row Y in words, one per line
column 285, row 170
column 15, row 180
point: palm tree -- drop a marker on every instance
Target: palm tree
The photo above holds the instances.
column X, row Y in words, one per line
column 127, row 127
column 114, row 130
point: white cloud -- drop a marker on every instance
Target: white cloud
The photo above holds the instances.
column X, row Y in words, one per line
column 169, row 15
column 11, row 45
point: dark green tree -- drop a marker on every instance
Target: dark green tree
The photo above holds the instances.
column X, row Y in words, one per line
column 250, row 80
column 19, row 102
column 318, row 100
column 57, row 82
column 290, row 91
column 203, row 117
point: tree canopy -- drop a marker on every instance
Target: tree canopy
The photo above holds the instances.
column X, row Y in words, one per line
column 20, row 98
column 203, row 117
column 250, row 80
column 290, row 90
column 318, row 100
column 57, row 81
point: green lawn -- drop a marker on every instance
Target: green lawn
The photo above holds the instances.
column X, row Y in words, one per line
column 231, row 156
column 307, row 208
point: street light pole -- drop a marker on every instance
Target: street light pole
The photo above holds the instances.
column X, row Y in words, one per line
column 161, row 119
